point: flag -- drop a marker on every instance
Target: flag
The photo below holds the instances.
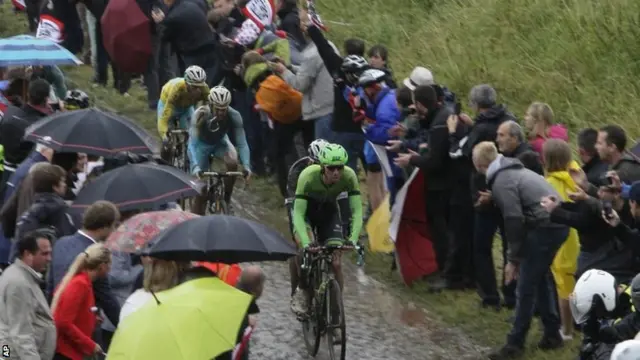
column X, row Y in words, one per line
column 378, row 228
column 409, row 230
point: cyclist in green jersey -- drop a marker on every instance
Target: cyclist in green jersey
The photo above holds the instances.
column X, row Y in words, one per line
column 315, row 209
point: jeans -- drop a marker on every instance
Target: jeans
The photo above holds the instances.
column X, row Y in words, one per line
column 322, row 128
column 485, row 225
column 535, row 286
column 121, row 80
column 159, row 70
column 353, row 143
column 242, row 100
column 91, row 24
column 460, row 264
column 282, row 145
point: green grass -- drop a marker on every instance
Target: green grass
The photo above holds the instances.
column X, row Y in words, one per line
column 580, row 56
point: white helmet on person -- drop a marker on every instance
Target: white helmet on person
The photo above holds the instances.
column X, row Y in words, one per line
column 627, row 350
column 354, row 64
column 219, row 97
column 594, row 288
column 315, row 147
column 195, row 75
column 371, row 76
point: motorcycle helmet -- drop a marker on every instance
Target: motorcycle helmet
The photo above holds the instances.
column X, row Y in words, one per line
column 595, row 293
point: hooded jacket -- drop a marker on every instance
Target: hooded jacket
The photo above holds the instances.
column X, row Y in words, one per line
column 517, row 192
column 48, row 210
column 12, row 128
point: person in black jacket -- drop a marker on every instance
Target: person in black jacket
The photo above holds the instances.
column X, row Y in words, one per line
column 184, row 24
column 483, row 99
column 290, row 21
column 14, row 123
column 436, row 165
column 593, row 166
column 347, row 132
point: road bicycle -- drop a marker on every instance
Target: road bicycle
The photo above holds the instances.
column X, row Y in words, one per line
column 325, row 309
column 214, row 190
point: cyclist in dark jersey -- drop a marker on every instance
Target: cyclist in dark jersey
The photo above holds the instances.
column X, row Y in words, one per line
column 315, row 210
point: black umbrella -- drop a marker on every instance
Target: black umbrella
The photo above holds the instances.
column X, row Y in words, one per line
column 138, row 186
column 91, row 131
column 220, row 238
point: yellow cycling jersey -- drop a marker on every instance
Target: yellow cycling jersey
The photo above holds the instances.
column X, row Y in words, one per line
column 175, row 96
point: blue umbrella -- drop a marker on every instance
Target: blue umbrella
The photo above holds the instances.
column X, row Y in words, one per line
column 23, row 50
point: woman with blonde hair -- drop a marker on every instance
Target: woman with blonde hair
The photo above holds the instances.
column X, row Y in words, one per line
column 74, row 307
column 158, row 275
column 539, row 123
column 557, row 162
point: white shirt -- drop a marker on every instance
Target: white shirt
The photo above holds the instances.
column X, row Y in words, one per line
column 134, row 302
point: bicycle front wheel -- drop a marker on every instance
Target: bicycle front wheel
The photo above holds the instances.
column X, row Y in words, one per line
column 336, row 325
column 312, row 325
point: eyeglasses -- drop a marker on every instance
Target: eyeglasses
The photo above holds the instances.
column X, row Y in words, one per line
column 335, row 168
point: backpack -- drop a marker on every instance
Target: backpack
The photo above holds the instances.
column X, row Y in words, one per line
column 279, row 100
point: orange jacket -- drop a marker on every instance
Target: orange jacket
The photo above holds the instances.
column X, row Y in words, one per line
column 227, row 273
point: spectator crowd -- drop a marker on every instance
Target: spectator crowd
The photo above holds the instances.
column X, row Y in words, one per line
column 489, row 172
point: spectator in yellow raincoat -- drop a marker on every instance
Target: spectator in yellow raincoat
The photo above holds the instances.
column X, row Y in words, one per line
column 557, row 162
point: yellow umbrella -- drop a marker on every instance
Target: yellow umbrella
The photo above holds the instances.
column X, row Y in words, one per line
column 197, row 320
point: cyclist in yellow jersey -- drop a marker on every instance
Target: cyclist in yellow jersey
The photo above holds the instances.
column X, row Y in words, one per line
column 179, row 97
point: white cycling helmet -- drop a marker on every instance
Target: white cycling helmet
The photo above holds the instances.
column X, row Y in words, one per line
column 593, row 286
column 354, row 64
column 315, row 147
column 219, row 97
column 195, row 75
column 627, row 350
column 371, row 76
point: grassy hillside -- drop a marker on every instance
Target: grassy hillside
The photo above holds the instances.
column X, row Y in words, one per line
column 580, row 56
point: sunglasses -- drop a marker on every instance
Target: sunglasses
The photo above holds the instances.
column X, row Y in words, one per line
column 335, row 168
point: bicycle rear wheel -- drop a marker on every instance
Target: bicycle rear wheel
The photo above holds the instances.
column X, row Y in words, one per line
column 312, row 325
column 336, row 326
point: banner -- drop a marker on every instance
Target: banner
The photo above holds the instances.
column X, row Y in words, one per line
column 409, row 230
column 261, row 12
column 50, row 28
column 378, row 229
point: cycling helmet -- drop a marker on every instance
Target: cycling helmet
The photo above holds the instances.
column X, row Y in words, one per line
column 595, row 291
column 195, row 75
column 219, row 97
column 76, row 99
column 354, row 64
column 315, row 147
column 333, row 155
column 371, row 76
column 626, row 350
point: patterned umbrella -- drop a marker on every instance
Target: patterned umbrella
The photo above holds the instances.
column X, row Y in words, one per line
column 23, row 50
column 134, row 233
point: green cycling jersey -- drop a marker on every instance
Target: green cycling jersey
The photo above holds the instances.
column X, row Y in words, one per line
column 311, row 188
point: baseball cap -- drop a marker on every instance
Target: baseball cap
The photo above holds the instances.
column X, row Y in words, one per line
column 420, row 76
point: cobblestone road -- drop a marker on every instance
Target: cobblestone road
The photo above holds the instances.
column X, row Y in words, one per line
column 380, row 325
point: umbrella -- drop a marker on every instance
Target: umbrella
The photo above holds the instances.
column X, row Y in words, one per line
column 134, row 233
column 199, row 319
column 25, row 50
column 138, row 186
column 220, row 238
column 91, row 131
column 127, row 35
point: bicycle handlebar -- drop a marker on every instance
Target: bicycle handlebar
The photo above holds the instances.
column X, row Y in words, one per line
column 329, row 248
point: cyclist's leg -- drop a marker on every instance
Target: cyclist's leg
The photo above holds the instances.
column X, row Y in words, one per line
column 329, row 229
column 198, row 153
column 185, row 118
column 345, row 213
column 229, row 155
column 299, row 281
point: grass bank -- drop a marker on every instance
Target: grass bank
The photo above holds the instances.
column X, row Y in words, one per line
column 580, row 56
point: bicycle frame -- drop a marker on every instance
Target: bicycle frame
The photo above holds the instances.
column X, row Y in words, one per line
column 179, row 139
column 215, row 190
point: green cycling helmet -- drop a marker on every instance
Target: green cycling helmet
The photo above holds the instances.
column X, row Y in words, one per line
column 333, row 155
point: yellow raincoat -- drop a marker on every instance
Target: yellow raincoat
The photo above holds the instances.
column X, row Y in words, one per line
column 565, row 263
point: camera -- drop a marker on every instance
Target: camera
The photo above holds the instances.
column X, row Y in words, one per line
column 607, row 207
